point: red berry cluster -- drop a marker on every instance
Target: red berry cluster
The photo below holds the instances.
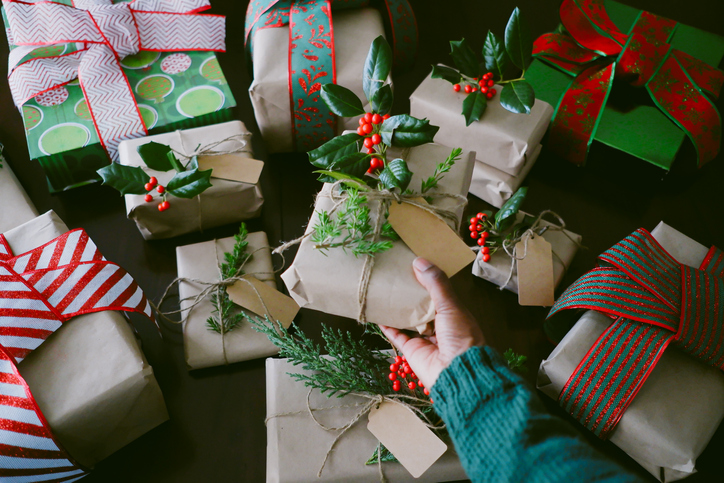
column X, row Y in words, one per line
column 150, row 186
column 478, row 230
column 400, row 368
column 485, row 84
column 369, row 127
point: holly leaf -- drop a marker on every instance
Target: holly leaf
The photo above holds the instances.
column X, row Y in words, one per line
column 518, row 97
column 473, row 107
column 506, row 214
column 464, row 58
column 406, row 131
column 155, row 155
column 518, row 42
column 355, row 164
column 396, row 174
column 129, row 180
column 381, row 100
column 349, row 180
column 496, row 59
column 377, row 66
column 442, row 72
column 341, row 101
column 191, row 182
column 336, row 148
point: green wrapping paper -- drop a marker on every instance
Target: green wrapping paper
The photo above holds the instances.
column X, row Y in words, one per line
column 173, row 90
column 628, row 123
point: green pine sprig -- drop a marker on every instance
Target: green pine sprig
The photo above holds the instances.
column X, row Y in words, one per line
column 351, row 365
column 440, row 171
column 225, row 316
column 516, row 362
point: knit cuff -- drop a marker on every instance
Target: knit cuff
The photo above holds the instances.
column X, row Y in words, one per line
column 471, row 379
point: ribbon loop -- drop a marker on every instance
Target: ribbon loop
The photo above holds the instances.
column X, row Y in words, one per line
column 116, row 25
column 657, row 301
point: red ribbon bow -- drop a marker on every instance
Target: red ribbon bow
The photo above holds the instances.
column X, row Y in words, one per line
column 108, row 33
column 39, row 291
column 656, row 302
column 593, row 50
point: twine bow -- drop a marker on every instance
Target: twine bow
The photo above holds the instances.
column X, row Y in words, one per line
column 39, row 291
column 374, row 400
column 593, row 50
column 108, row 33
column 656, row 302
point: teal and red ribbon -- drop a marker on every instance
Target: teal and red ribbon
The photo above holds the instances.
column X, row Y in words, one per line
column 311, row 56
column 594, row 51
column 656, row 302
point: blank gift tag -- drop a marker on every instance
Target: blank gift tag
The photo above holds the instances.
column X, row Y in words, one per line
column 414, row 445
column 535, row 272
column 281, row 307
column 430, row 238
column 233, row 167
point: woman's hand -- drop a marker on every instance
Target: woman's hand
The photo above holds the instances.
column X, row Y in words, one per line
column 455, row 328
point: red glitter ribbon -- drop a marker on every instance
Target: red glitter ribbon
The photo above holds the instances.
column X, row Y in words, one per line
column 39, row 291
column 594, row 48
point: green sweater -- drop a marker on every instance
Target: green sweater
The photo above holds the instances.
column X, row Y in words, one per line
column 502, row 433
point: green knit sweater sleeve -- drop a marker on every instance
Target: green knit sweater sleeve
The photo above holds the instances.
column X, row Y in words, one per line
column 502, row 433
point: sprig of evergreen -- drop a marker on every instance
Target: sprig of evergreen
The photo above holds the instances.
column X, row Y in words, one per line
column 440, row 171
column 225, row 317
column 351, row 365
column 516, row 362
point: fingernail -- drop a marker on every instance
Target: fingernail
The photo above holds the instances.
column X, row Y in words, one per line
column 421, row 265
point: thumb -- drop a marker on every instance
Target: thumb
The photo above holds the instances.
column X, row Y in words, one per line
column 437, row 284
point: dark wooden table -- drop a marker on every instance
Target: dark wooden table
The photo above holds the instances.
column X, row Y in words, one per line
column 216, row 432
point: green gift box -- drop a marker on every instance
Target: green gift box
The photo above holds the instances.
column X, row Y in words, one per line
column 173, row 90
column 631, row 121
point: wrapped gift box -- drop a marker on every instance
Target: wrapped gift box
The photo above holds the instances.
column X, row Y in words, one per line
column 329, row 281
column 506, row 144
column 15, row 206
column 90, row 377
column 225, row 202
column 641, row 130
column 497, row 269
column 296, row 446
column 203, row 347
column 678, row 408
column 173, row 90
column 354, row 31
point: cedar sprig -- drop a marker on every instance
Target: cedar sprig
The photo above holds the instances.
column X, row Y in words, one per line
column 351, row 365
column 225, row 316
column 440, row 170
column 351, row 229
column 516, row 362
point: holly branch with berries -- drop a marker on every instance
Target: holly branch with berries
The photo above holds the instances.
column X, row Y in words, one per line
column 188, row 182
column 504, row 63
column 360, row 160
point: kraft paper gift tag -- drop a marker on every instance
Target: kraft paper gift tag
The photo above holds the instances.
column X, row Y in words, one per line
column 329, row 282
column 296, row 445
column 90, row 377
column 535, row 271
column 15, row 205
column 204, row 347
column 354, row 31
column 225, row 202
column 501, row 139
column 678, row 408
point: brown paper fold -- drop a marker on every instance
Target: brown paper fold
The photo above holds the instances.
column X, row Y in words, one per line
column 225, row 202
column 679, row 407
column 203, row 347
column 89, row 378
column 354, row 31
column 296, row 446
column 15, row 205
column 329, row 282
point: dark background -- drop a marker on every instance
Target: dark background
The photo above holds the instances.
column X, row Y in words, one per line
column 216, row 431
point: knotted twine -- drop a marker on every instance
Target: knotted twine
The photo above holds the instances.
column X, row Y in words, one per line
column 210, row 150
column 509, row 246
column 375, row 400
